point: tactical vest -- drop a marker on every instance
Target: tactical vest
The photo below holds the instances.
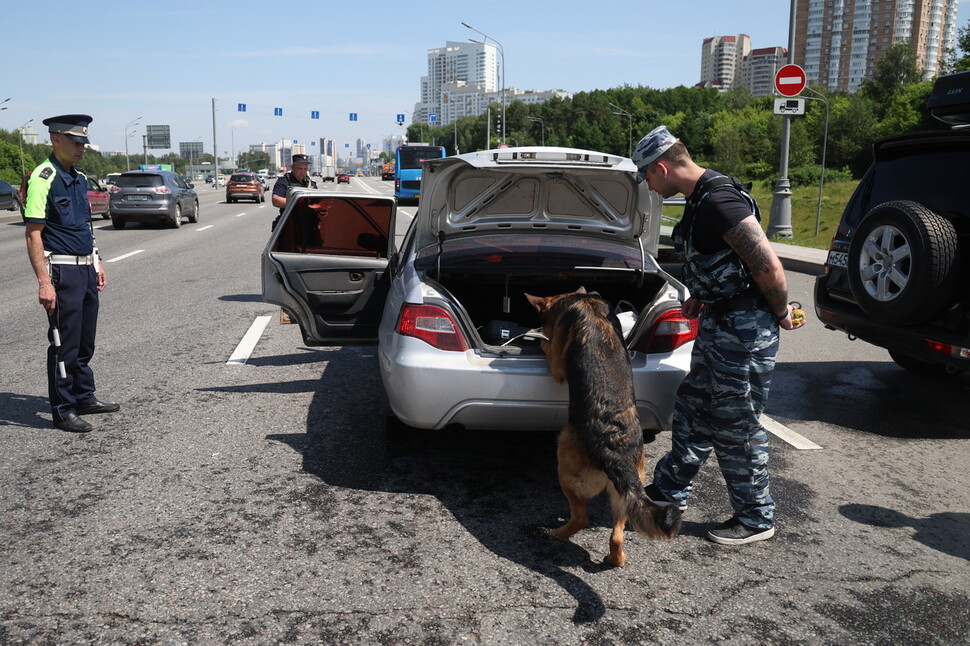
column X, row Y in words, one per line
column 714, row 276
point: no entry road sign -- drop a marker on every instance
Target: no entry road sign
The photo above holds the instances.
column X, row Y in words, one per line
column 790, row 80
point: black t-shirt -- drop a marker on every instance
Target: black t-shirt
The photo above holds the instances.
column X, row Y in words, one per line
column 720, row 211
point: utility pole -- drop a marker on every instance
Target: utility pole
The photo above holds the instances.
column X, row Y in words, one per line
column 779, row 222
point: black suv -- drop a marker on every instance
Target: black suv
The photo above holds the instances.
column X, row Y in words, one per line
column 898, row 270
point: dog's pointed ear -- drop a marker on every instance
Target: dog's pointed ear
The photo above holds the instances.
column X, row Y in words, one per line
column 538, row 302
column 581, row 290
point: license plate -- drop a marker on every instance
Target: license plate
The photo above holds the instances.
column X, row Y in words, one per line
column 837, row 259
column 137, row 198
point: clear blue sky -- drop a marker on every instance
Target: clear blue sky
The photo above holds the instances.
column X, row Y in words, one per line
column 165, row 61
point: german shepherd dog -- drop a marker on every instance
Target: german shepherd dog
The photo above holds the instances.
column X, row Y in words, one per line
column 601, row 446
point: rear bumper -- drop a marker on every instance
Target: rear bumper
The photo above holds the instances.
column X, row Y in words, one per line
column 512, row 393
column 143, row 212
column 848, row 317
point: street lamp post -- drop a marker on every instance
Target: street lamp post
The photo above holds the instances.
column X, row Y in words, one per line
column 4, row 101
column 502, row 52
column 23, row 170
column 629, row 137
column 127, row 135
column 542, row 125
column 825, row 141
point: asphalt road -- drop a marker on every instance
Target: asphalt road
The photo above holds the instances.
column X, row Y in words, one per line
column 259, row 502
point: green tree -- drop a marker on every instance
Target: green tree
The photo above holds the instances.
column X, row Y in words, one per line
column 897, row 68
column 961, row 59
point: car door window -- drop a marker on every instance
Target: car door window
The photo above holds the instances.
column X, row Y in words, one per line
column 336, row 227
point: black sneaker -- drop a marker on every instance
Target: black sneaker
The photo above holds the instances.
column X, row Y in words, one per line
column 658, row 498
column 733, row 532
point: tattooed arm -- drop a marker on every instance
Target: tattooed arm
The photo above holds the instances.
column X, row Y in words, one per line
column 750, row 243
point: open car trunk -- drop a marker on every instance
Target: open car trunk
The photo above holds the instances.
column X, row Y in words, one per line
column 491, row 300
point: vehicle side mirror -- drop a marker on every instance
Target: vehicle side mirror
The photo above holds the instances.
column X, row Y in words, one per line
column 190, row 184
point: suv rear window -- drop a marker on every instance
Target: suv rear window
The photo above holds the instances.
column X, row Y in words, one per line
column 146, row 180
column 242, row 178
column 925, row 178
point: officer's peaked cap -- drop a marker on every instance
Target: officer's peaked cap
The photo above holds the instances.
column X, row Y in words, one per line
column 654, row 143
column 74, row 126
column 300, row 159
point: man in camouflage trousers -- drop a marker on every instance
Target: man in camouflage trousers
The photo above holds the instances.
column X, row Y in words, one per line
column 739, row 290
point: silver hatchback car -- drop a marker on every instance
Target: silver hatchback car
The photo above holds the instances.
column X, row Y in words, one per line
column 457, row 339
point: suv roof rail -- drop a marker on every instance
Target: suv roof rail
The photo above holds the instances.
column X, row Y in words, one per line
column 950, row 99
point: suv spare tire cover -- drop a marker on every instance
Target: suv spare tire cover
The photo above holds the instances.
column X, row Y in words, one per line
column 903, row 263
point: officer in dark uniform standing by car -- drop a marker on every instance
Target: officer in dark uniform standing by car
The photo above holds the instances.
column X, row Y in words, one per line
column 298, row 176
column 70, row 275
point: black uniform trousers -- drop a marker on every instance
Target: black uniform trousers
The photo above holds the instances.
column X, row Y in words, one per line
column 76, row 317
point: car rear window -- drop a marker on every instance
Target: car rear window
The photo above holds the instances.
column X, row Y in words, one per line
column 242, row 178
column 925, row 178
column 146, row 180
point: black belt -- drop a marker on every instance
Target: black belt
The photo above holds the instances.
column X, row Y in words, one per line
column 743, row 303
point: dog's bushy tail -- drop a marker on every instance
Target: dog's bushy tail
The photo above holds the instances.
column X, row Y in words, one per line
column 652, row 520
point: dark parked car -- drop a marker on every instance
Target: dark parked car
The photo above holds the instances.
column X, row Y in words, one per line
column 10, row 198
column 898, row 270
column 153, row 196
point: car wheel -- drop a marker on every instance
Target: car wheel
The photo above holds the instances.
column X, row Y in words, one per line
column 118, row 223
column 177, row 220
column 903, row 263
column 924, row 368
column 195, row 213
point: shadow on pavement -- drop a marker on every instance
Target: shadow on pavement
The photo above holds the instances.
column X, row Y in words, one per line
column 946, row 532
column 873, row 397
column 501, row 486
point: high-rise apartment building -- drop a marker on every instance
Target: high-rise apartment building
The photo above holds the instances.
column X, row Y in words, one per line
column 463, row 80
column 840, row 42
column 758, row 69
column 721, row 60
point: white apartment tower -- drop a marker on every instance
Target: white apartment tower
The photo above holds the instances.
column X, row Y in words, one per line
column 839, row 42
column 456, row 65
column 721, row 60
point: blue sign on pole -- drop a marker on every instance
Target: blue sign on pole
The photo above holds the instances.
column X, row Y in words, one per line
column 432, row 117
column 400, row 118
column 313, row 143
column 296, row 141
column 277, row 112
column 346, row 145
column 353, row 116
column 241, row 107
column 314, row 114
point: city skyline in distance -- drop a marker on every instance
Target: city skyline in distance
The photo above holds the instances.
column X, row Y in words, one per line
column 165, row 64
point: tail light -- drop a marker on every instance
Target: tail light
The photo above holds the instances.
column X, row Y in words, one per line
column 433, row 325
column 162, row 190
column 671, row 331
column 397, row 186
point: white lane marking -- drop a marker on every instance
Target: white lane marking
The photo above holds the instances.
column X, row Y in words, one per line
column 262, row 206
column 127, row 255
column 239, row 215
column 245, row 348
column 208, row 226
column 781, row 431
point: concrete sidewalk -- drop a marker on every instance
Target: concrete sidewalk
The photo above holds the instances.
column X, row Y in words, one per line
column 805, row 260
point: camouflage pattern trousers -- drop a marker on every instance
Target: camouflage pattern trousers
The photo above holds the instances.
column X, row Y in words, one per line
column 718, row 408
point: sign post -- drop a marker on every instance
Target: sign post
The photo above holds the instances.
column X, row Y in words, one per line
column 789, row 81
